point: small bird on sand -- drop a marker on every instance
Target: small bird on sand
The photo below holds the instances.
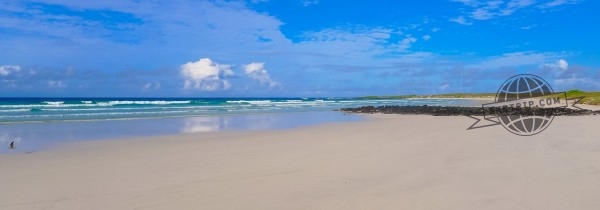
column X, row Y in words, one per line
column 12, row 145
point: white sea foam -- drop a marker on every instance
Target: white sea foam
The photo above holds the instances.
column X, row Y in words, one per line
column 54, row 103
column 15, row 110
column 61, row 104
column 64, row 116
column 293, row 102
column 111, row 103
column 251, row 101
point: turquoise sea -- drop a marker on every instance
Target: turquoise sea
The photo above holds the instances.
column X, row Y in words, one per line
column 37, row 123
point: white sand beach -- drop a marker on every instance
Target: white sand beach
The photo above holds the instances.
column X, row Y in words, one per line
column 386, row 162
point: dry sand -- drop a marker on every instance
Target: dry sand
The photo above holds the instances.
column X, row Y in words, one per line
column 386, row 162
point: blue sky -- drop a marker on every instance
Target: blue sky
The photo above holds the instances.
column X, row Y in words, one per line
column 299, row 48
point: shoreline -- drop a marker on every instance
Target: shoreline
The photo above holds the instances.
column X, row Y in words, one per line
column 384, row 162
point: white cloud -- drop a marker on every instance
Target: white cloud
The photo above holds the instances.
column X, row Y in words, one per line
column 151, row 86
column 426, row 37
column 222, row 28
column 528, row 27
column 481, row 14
column 460, row 20
column 258, row 1
column 416, row 57
column 258, row 72
column 555, row 3
column 352, row 35
column 520, row 3
column 406, row 43
column 467, row 2
column 356, row 43
column 307, row 3
column 205, row 75
column 574, row 81
column 484, row 10
column 494, row 4
column 516, row 59
column 513, row 6
column 499, row 8
column 444, row 87
column 133, row 27
column 8, row 69
column 561, row 64
column 56, row 84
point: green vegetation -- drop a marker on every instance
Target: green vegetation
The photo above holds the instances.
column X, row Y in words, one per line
column 591, row 98
column 450, row 95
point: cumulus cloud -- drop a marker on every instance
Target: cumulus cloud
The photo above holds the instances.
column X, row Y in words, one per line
column 205, row 75
column 561, row 64
column 258, row 72
column 426, row 37
column 9, row 69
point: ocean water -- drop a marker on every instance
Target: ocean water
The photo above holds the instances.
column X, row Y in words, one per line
column 38, row 123
column 40, row 110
